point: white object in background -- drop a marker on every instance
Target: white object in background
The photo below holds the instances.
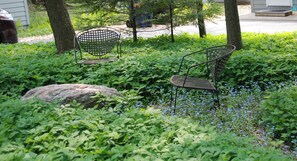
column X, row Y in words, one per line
column 279, row 3
column 4, row 15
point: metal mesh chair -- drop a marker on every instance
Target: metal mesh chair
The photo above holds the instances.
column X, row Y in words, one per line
column 216, row 58
column 96, row 42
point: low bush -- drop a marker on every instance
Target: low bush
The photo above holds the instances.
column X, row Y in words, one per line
column 247, row 66
column 143, row 72
column 145, row 66
column 83, row 19
column 42, row 131
column 280, row 114
column 24, row 67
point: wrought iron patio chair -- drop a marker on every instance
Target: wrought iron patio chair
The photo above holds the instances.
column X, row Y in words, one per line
column 216, row 58
column 97, row 43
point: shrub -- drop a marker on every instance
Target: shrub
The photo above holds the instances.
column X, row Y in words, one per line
column 41, row 131
column 146, row 74
column 24, row 67
column 247, row 66
column 280, row 114
column 90, row 20
column 265, row 58
column 145, row 66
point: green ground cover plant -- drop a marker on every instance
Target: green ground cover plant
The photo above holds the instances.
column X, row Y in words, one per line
column 145, row 67
column 27, row 66
column 239, row 112
column 42, row 131
column 260, row 60
column 280, row 114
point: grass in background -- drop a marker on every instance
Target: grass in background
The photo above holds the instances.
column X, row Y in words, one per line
column 39, row 23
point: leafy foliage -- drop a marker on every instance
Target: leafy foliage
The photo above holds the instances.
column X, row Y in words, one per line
column 143, row 72
column 248, row 66
column 239, row 111
column 89, row 13
column 41, row 131
column 185, row 11
column 146, row 66
column 280, row 114
column 24, row 67
column 92, row 20
column 265, row 58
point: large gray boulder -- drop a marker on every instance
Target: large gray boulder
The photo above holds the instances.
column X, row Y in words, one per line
column 66, row 93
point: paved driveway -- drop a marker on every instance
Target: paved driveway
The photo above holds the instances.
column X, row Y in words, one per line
column 248, row 23
column 257, row 26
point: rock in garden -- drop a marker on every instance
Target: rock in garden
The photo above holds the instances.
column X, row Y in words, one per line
column 66, row 93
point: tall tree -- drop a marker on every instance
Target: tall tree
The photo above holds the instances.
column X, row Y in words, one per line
column 61, row 25
column 133, row 20
column 232, row 23
column 201, row 24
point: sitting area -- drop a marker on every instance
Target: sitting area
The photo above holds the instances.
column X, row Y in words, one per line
column 216, row 58
column 93, row 45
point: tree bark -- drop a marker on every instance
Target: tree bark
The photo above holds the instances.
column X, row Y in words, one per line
column 171, row 20
column 232, row 23
column 201, row 24
column 61, row 25
column 133, row 21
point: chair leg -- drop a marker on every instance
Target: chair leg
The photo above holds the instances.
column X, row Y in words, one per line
column 120, row 50
column 171, row 96
column 216, row 99
column 173, row 99
column 75, row 58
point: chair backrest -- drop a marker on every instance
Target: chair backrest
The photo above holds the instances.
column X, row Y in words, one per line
column 217, row 58
column 99, row 41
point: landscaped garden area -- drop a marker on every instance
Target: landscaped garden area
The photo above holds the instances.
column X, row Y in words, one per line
column 256, row 120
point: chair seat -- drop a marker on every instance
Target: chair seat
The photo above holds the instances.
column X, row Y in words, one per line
column 192, row 83
column 96, row 61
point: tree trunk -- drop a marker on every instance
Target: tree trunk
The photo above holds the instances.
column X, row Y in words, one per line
column 133, row 21
column 61, row 25
column 171, row 20
column 232, row 23
column 201, row 24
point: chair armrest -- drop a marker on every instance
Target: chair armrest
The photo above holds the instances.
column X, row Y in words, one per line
column 183, row 58
column 194, row 66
